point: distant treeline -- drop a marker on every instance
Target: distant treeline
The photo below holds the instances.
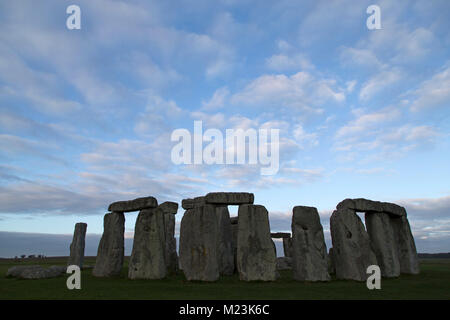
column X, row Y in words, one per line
column 434, row 255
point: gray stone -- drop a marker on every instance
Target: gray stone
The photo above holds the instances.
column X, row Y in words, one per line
column 351, row 245
column 407, row 253
column 171, row 255
column 148, row 256
column 35, row 272
column 364, row 205
column 287, row 247
column 133, row 205
column 380, row 229
column 229, row 198
column 331, row 263
column 169, row 207
column 77, row 246
column 199, row 244
column 193, row 203
column 225, row 244
column 234, row 234
column 256, row 257
column 280, row 235
column 309, row 251
column 284, row 263
column 110, row 251
column 234, row 220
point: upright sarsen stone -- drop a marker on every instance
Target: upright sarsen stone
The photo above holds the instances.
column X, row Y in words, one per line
column 407, row 253
column 256, row 257
column 352, row 249
column 77, row 246
column 170, row 209
column 309, row 252
column 199, row 244
column 287, row 247
column 148, row 256
column 110, row 252
column 225, row 241
column 384, row 243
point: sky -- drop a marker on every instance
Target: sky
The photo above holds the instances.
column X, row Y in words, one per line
column 86, row 116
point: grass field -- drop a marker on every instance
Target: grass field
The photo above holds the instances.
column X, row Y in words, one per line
column 432, row 283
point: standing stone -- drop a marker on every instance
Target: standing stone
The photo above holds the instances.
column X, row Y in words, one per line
column 256, row 256
column 234, row 235
column 110, row 252
column 148, row 256
column 287, row 247
column 170, row 209
column 77, row 245
column 351, row 245
column 199, row 244
column 384, row 244
column 331, row 263
column 225, row 244
column 309, row 251
column 409, row 261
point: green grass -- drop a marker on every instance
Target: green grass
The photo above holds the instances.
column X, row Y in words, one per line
column 432, row 283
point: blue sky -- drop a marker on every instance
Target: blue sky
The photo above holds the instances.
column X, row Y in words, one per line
column 86, row 115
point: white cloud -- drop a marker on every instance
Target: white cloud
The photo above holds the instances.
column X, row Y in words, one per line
column 379, row 82
column 218, row 99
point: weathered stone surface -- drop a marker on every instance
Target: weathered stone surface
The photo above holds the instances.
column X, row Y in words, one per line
column 35, row 272
column 407, row 254
column 229, row 198
column 381, row 232
column 280, row 235
column 351, row 245
column 364, row 205
column 148, row 256
column 287, row 247
column 170, row 243
column 169, row 207
column 110, row 251
column 77, row 246
column 331, row 262
column 309, row 251
column 234, row 235
column 199, row 244
column 284, row 263
column 256, row 257
column 192, row 203
column 225, row 244
column 133, row 205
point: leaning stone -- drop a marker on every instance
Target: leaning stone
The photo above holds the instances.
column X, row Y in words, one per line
column 133, row 205
column 229, row 198
column 309, row 251
column 284, row 263
column 256, row 257
column 199, row 244
column 193, row 203
column 384, row 244
column 352, row 249
column 225, row 249
column 110, row 251
column 77, row 246
column 280, row 235
column 148, row 256
column 364, row 205
column 407, row 253
column 287, row 247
